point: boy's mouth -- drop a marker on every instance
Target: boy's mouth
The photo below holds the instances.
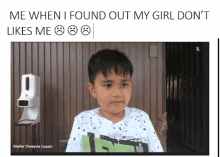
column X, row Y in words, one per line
column 117, row 102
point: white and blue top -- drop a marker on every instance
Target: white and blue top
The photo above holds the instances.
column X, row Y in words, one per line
column 94, row 133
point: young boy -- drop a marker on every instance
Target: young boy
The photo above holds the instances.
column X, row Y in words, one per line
column 113, row 127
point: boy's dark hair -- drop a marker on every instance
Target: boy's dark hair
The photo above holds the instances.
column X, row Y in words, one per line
column 106, row 60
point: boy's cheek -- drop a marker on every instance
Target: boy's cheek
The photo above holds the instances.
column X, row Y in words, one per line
column 128, row 94
column 102, row 94
column 128, row 91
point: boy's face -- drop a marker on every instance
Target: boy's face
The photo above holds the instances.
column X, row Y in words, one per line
column 112, row 93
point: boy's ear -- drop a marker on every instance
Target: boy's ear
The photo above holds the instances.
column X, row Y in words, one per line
column 91, row 88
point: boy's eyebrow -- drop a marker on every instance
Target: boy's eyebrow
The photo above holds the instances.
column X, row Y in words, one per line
column 124, row 80
column 107, row 81
column 110, row 81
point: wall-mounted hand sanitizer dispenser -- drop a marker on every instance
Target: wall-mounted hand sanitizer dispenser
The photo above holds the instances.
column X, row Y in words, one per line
column 30, row 99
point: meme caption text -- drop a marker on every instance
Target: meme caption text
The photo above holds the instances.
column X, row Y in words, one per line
column 92, row 15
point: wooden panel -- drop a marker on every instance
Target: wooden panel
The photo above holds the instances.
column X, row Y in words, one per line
column 123, row 47
column 23, row 129
column 160, row 81
column 147, row 81
column 12, row 115
column 29, row 71
column 105, row 45
column 67, row 83
column 127, row 51
column 79, row 79
column 73, row 75
column 111, row 45
column 119, row 46
column 163, row 90
column 85, row 75
column 17, row 80
column 140, row 79
column 60, row 92
column 164, row 78
column 47, row 114
column 35, row 61
column 93, row 102
column 135, row 76
column 29, row 58
column 42, row 105
column 98, row 47
column 153, row 97
column 169, row 79
column 35, row 58
column 54, row 97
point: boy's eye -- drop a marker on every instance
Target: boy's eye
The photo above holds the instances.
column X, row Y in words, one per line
column 108, row 85
column 124, row 84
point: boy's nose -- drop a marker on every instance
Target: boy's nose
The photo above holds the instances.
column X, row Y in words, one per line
column 117, row 92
